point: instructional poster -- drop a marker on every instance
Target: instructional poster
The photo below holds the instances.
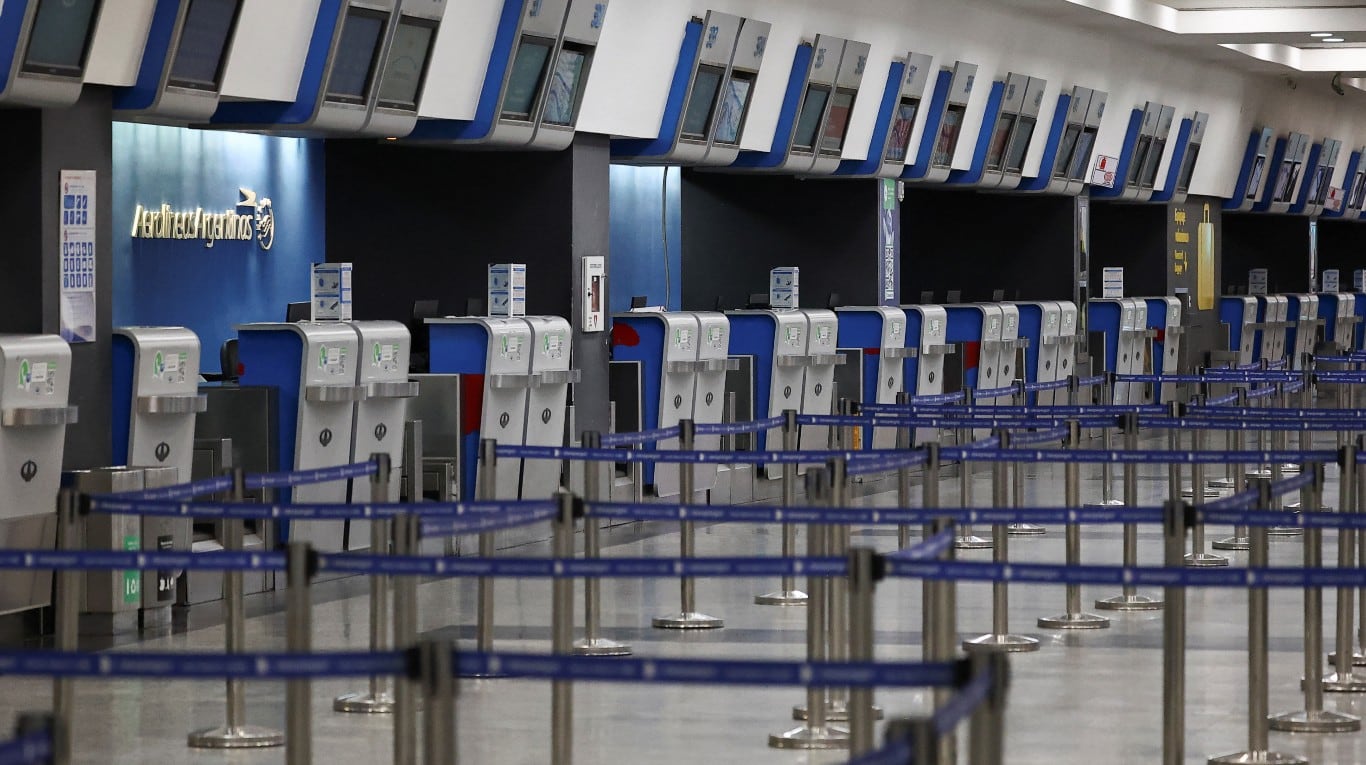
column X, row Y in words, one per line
column 78, row 256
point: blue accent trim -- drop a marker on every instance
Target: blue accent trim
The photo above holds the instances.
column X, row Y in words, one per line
column 272, row 358
column 964, row 325
column 915, row 327
column 787, row 117
column 1240, row 188
column 310, row 93
column 1106, row 315
column 891, row 96
column 673, row 108
column 984, row 133
column 653, row 334
column 1271, row 173
column 921, row 167
column 753, row 334
column 1231, row 316
column 143, row 93
column 491, row 96
column 1183, row 141
column 1306, row 183
column 463, row 349
column 125, row 369
column 10, row 24
column 1050, row 149
column 862, row 330
column 1353, row 164
column 1126, row 158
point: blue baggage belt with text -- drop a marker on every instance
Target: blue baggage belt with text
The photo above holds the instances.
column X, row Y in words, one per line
column 1276, row 412
column 33, row 749
column 1231, row 398
column 1151, row 576
column 287, row 479
column 643, row 437
column 1009, row 390
column 203, row 666
column 182, row 491
column 118, row 505
column 881, row 464
column 1037, row 387
column 1196, row 422
column 736, row 428
column 870, row 516
column 977, row 418
column 449, row 527
column 936, row 399
column 1010, row 410
column 1039, row 437
column 1135, row 457
column 964, row 703
column 597, row 568
column 672, row 456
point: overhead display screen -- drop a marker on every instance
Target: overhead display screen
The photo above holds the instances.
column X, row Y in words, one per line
column 1358, row 191
column 948, row 135
column 731, row 111
column 1139, row 160
column 1019, row 145
column 524, row 80
column 832, row 140
column 1183, row 179
column 204, row 44
column 809, row 121
column 1065, row 150
column 1000, row 138
column 899, row 137
column 60, row 37
column 1149, row 177
column 406, row 65
column 1254, row 183
column 697, row 117
column 1284, row 183
column 563, row 93
column 353, row 66
column 1081, row 158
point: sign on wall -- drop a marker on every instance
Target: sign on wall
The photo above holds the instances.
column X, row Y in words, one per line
column 78, row 256
column 889, row 232
column 252, row 218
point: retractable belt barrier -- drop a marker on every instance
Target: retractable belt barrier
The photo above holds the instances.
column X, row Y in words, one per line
column 32, row 749
column 642, row 437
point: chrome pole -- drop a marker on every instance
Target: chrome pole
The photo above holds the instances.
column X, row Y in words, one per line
column 905, row 440
column 562, row 624
column 967, row 540
column 1074, row 618
column 1129, row 599
column 946, row 623
column 864, row 571
column 487, row 490
column 1198, row 557
column 788, row 595
column 1174, row 640
column 299, row 639
column 688, row 617
column 593, row 643
column 378, row 700
column 1343, row 680
column 70, row 585
column 406, row 531
column 1017, row 478
column 439, row 691
column 1000, row 639
column 1237, row 480
column 986, row 727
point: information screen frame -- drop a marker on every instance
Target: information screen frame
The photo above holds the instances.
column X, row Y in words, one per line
column 528, row 42
column 408, row 22
column 837, row 119
column 899, row 133
column 706, row 84
column 186, row 43
column 950, row 128
column 369, row 83
column 1020, row 139
column 561, row 102
column 56, row 68
column 808, row 126
column 730, row 119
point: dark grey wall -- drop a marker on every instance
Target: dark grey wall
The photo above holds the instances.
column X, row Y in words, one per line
column 736, row 228
column 591, row 235
column 1342, row 245
column 1278, row 243
column 38, row 145
column 1132, row 237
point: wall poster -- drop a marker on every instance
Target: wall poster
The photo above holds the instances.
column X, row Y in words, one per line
column 78, row 256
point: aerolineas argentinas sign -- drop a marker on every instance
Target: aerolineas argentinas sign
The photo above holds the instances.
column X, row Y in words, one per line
column 229, row 225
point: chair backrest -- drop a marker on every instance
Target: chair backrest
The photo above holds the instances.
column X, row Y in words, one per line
column 229, row 361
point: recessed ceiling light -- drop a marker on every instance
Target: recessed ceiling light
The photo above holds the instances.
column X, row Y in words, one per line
column 1333, row 39
column 1321, row 34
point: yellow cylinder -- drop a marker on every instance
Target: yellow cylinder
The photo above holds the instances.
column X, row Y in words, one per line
column 1204, row 267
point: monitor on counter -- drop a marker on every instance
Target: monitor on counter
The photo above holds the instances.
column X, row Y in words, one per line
column 731, row 111
column 1019, row 144
column 297, row 312
column 60, row 38
column 899, row 138
column 1139, row 160
column 203, row 45
column 702, row 102
column 809, row 121
column 1149, row 176
column 353, row 66
column 1284, row 182
column 1358, row 191
column 562, row 97
column 405, row 68
column 525, row 77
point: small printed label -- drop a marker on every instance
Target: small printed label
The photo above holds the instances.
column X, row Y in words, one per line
column 935, row 326
column 823, row 335
column 554, row 346
column 896, row 330
column 793, row 335
column 132, row 580
column 716, row 337
column 40, row 372
column 512, row 347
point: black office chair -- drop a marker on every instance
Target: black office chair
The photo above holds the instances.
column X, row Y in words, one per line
column 228, row 362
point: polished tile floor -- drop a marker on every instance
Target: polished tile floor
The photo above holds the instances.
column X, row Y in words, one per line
column 1090, row 697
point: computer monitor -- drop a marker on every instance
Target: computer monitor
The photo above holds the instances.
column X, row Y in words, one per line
column 418, row 361
column 638, row 301
column 296, row 312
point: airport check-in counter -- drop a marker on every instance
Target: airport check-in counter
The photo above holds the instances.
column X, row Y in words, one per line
column 1011, row 345
column 1272, row 315
column 492, row 355
column 976, row 328
column 1124, row 323
column 313, row 366
column 1041, row 326
column 927, row 345
column 1338, row 311
column 822, row 356
column 777, row 342
column 1067, row 345
column 877, row 335
column 547, row 402
column 709, row 399
column 1164, row 319
column 1303, row 328
column 111, row 598
column 1239, row 315
column 944, row 119
column 1359, row 311
column 382, row 377
column 33, row 419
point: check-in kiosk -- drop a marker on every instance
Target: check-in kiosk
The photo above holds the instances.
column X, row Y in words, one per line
column 181, row 73
column 492, row 355
column 547, row 402
column 822, row 356
column 777, row 341
column 382, row 374
column 877, row 335
column 1041, row 327
column 709, row 98
column 1303, row 324
column 313, row 366
column 1338, row 312
column 1011, row 344
column 33, row 419
column 1354, row 188
column 665, row 345
column 709, row 398
column 1239, row 316
column 1067, row 157
column 1288, row 162
column 1164, row 321
column 48, row 44
column 360, row 55
column 110, row 599
column 1185, row 154
column 1272, row 313
column 539, row 66
column 927, row 345
column 156, row 397
column 1359, row 312
column 1323, row 158
column 890, row 147
column 1145, row 157
column 1067, row 344
column 943, row 124
column 1123, row 322
column 1021, row 101
column 976, row 329
column 1252, row 178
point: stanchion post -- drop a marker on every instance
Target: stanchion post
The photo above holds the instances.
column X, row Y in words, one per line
column 866, row 568
column 378, row 700
column 905, row 440
column 1129, row 599
column 593, row 643
column 1106, row 478
column 1175, row 411
column 967, row 540
column 436, row 665
column 1343, row 680
column 986, row 727
column 928, row 588
column 788, row 595
column 301, row 566
column 1074, row 618
column 1175, row 523
column 1237, row 480
column 562, row 638
column 688, row 617
column 405, row 529
column 70, row 584
column 1000, row 639
column 946, row 642
column 487, row 490
column 1017, row 477
column 236, row 734
column 1198, row 556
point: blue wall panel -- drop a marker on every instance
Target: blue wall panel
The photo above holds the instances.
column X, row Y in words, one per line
column 211, row 289
column 640, row 205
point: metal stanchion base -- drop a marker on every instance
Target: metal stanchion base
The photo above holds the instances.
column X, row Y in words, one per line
column 1025, row 530
column 1296, row 506
column 1358, row 659
column 1219, row 483
column 1290, row 467
column 1259, row 474
column 1210, row 493
column 1321, row 721
column 805, row 737
column 1001, row 644
column 835, row 711
column 972, row 543
column 600, row 647
column 1285, row 531
column 1232, row 543
column 1075, row 622
column 688, row 621
column 782, row 598
column 364, row 703
column 1205, row 560
column 239, row 737
column 1130, row 603
column 1350, row 684
column 1259, row 758
column 1107, row 503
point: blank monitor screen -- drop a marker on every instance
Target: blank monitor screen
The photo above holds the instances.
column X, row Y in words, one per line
column 60, row 37
column 524, row 81
column 353, row 67
column 1065, row 150
column 1316, row 185
column 406, row 64
column 1081, row 158
column 1294, row 183
column 563, row 94
column 948, row 135
column 697, row 117
column 1149, row 177
column 1254, row 183
column 1183, row 179
column 1019, row 145
column 996, row 152
column 1139, row 159
column 899, row 137
column 1283, row 185
column 1358, row 191
column 732, row 109
column 809, row 121
column 832, row 140
column 203, row 44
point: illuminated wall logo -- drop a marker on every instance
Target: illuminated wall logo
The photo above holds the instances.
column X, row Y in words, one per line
column 209, row 227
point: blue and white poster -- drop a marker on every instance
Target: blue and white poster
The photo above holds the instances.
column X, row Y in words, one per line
column 78, row 256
